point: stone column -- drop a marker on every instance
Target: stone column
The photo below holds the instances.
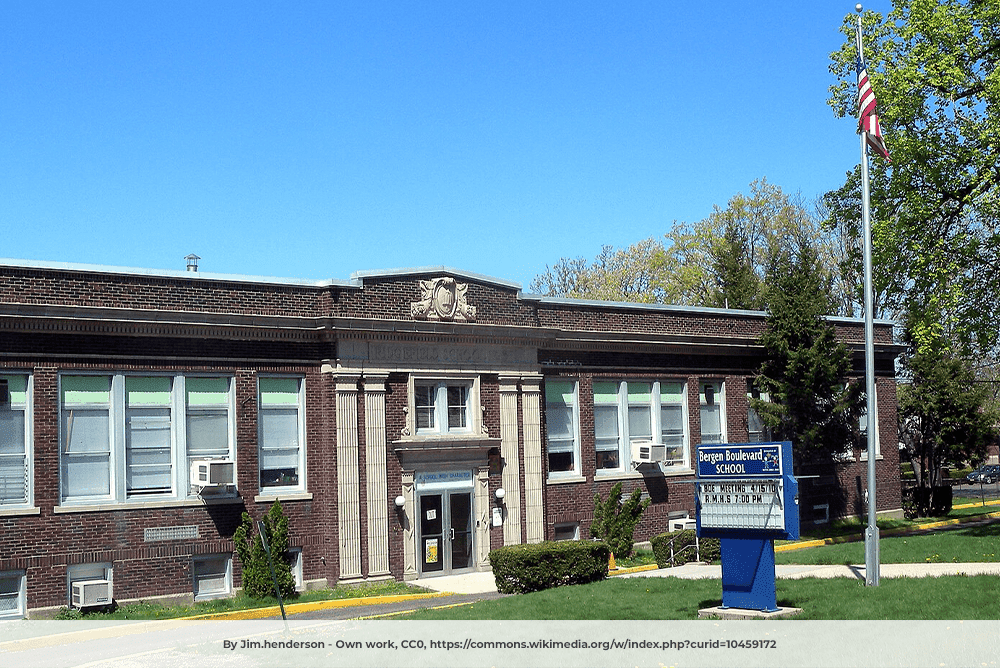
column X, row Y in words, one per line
column 483, row 512
column 409, row 524
column 375, row 476
column 509, row 451
column 533, row 506
column 348, row 478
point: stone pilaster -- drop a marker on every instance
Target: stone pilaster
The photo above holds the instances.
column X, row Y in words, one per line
column 375, row 476
column 509, row 451
column 348, row 478
column 409, row 528
column 483, row 510
column 533, row 510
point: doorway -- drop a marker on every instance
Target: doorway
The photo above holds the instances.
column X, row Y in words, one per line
column 445, row 540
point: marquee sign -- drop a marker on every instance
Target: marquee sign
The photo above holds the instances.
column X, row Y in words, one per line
column 745, row 487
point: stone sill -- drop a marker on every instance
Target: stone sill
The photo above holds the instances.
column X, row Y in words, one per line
column 14, row 512
column 144, row 505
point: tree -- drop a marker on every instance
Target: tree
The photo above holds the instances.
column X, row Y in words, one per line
column 614, row 522
column 697, row 264
column 805, row 371
column 736, row 283
column 946, row 417
column 936, row 206
column 257, row 580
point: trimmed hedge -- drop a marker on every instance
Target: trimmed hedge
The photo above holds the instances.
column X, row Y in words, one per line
column 709, row 547
column 519, row 569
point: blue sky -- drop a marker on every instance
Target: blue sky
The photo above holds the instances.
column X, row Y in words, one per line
column 316, row 139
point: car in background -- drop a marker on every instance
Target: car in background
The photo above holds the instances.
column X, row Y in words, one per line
column 988, row 474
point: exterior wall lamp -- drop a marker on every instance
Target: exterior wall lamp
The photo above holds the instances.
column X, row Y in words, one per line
column 500, row 494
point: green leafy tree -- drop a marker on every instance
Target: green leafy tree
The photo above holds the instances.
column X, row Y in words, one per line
column 698, row 264
column 257, row 580
column 614, row 521
column 936, row 207
column 806, row 369
column 946, row 417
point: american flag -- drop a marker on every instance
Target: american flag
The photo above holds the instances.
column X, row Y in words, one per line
column 868, row 122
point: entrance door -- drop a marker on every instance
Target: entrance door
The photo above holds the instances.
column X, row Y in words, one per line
column 446, row 532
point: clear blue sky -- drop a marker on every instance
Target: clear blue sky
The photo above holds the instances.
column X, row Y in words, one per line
column 315, row 139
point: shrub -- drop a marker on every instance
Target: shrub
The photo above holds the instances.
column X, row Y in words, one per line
column 709, row 548
column 257, row 580
column 614, row 522
column 519, row 569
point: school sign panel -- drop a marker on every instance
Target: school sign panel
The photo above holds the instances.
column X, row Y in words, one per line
column 747, row 496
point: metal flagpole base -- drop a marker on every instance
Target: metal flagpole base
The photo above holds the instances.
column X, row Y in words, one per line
column 871, row 556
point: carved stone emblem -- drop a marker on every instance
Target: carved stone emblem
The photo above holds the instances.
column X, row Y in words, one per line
column 443, row 299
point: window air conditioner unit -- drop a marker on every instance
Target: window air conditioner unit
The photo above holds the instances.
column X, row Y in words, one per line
column 213, row 472
column 647, row 452
column 88, row 593
column 682, row 524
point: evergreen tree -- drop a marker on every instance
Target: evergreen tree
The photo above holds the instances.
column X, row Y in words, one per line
column 736, row 282
column 805, row 370
column 257, row 580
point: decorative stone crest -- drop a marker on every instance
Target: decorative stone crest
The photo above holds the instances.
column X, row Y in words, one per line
column 443, row 299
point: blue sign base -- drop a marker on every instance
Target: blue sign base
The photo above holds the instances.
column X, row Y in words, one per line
column 748, row 574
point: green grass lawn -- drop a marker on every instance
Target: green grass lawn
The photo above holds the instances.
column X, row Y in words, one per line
column 962, row 544
column 952, row 597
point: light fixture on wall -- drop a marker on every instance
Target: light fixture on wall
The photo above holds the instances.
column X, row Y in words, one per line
column 400, row 502
column 500, row 494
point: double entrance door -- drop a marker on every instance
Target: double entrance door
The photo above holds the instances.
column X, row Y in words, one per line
column 445, row 539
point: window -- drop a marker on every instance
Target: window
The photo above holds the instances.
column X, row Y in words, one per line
column 562, row 445
column 213, row 576
column 295, row 564
column 443, row 407
column 15, row 442
column 78, row 572
column 148, row 441
column 12, row 595
column 134, row 437
column 713, row 423
column 566, row 531
column 628, row 412
column 281, row 429
column 757, row 431
column 86, row 436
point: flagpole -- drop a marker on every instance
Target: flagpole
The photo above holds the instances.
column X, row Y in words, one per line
column 871, row 532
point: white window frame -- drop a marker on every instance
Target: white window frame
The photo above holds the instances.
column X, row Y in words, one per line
column 19, row 594
column 559, row 445
column 440, row 385
column 227, row 589
column 655, row 405
column 26, row 408
column 573, row 526
column 765, row 431
column 262, row 408
column 295, row 565
column 719, row 398
column 118, row 409
column 77, row 572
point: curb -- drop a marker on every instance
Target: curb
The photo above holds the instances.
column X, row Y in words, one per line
column 295, row 608
column 791, row 547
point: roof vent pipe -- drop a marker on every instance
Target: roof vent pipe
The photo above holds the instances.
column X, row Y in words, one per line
column 192, row 262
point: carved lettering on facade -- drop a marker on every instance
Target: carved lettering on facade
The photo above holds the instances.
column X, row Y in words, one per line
column 443, row 299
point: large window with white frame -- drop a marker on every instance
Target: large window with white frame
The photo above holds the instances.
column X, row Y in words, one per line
column 12, row 594
column 712, row 398
column 629, row 411
column 562, row 418
column 444, row 407
column 757, row 431
column 213, row 576
column 133, row 437
column 15, row 441
column 281, row 427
